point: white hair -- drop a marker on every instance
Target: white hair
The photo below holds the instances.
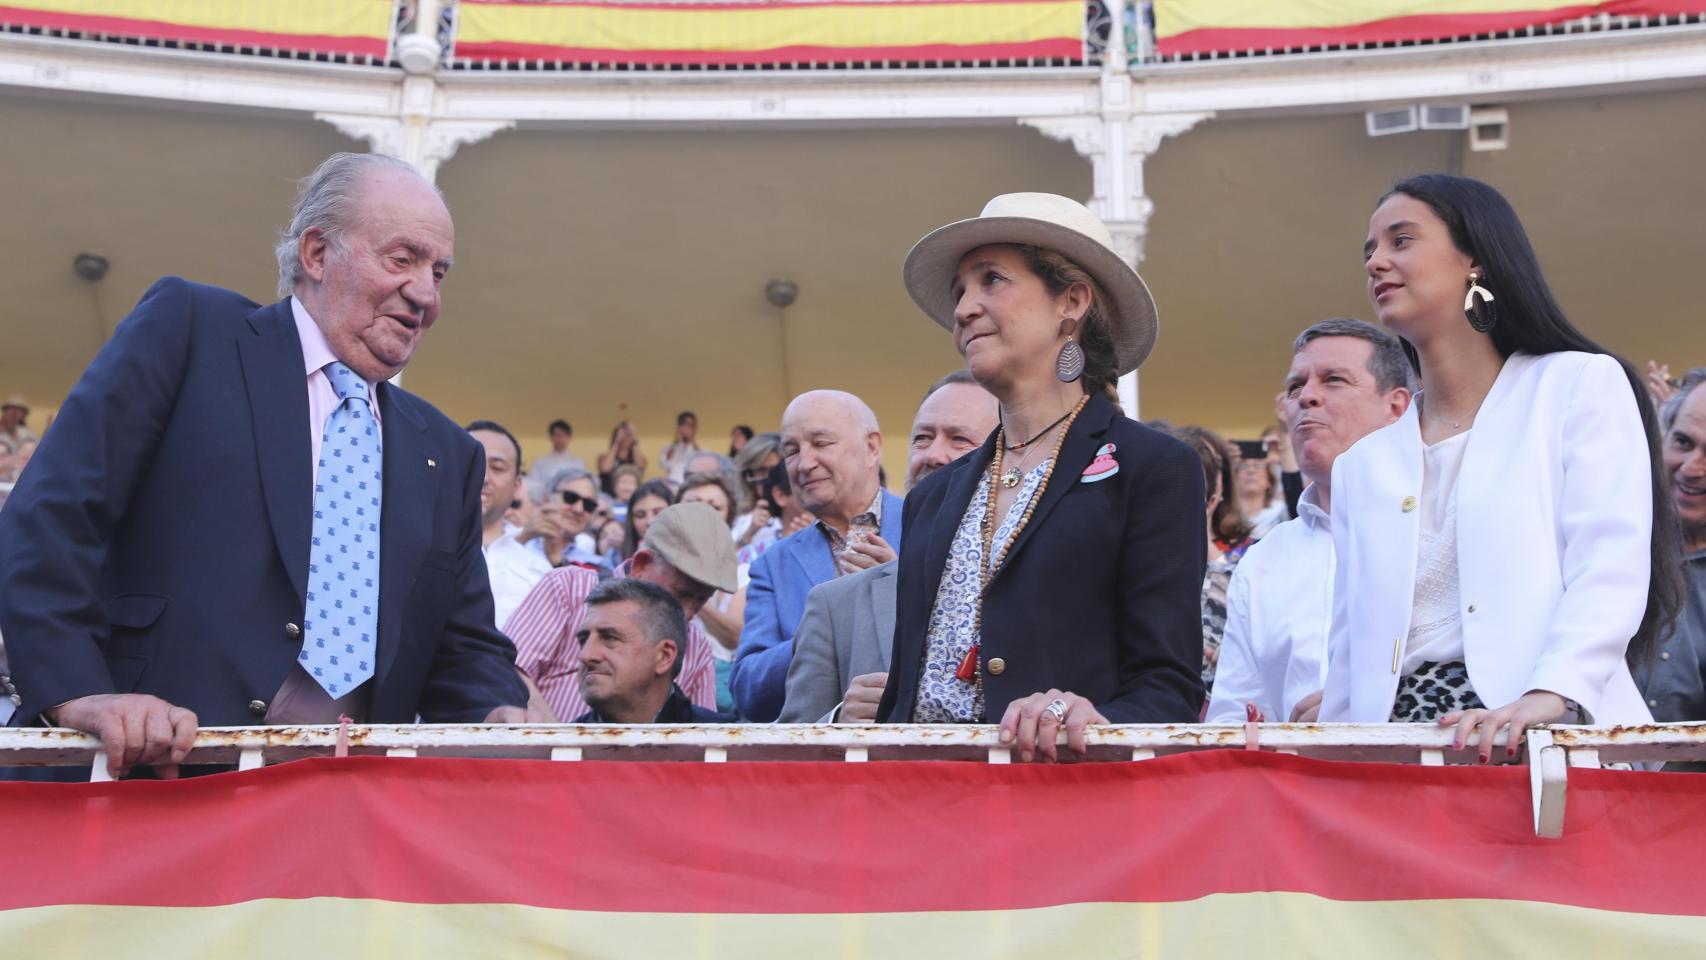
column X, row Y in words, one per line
column 328, row 199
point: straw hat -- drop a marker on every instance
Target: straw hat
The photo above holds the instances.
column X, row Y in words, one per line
column 16, row 400
column 1053, row 223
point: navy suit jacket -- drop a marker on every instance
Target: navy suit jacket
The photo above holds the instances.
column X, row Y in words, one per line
column 775, row 602
column 158, row 542
column 1099, row 595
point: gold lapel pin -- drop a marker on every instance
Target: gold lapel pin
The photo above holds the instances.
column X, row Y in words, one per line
column 431, row 462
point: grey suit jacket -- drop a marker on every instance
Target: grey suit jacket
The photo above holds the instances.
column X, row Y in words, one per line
column 847, row 630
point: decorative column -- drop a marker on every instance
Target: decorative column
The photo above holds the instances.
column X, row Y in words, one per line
column 1117, row 142
column 413, row 135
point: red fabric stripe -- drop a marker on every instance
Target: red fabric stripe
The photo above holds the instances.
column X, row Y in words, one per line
column 1059, row 48
column 1440, row 27
column 840, row 837
column 157, row 30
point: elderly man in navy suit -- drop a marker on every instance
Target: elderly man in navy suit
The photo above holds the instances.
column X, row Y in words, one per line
column 344, row 574
column 833, row 451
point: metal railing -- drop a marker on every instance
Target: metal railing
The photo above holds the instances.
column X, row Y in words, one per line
column 1550, row 754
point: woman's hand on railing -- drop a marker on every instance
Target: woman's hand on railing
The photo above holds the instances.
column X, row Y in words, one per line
column 1030, row 726
column 1534, row 707
column 1308, row 710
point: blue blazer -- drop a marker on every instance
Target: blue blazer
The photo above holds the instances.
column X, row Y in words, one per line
column 158, row 542
column 775, row 602
column 1100, row 594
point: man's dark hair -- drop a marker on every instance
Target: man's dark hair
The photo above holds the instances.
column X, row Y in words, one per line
column 685, row 416
column 562, row 425
column 1389, row 364
column 961, row 375
column 492, row 426
column 660, row 615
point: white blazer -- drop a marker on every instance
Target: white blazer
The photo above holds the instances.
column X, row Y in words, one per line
column 1554, row 530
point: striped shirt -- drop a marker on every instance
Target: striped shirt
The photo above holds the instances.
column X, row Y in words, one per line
column 546, row 649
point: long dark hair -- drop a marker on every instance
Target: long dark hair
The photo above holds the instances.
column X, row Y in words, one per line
column 651, row 488
column 1484, row 226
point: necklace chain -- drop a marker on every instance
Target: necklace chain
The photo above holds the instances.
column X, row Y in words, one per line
column 1025, row 443
column 987, row 565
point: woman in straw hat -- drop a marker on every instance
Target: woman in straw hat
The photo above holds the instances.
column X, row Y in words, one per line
column 1053, row 578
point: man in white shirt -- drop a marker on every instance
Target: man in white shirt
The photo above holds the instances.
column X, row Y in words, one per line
column 512, row 566
column 1348, row 378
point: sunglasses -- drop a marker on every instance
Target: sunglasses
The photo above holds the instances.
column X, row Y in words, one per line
column 571, row 498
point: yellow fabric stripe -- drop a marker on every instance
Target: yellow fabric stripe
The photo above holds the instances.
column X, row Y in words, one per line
column 337, row 18
column 1174, row 17
column 830, row 25
column 1272, row 926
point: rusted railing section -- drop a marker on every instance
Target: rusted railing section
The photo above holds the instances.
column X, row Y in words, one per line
column 1551, row 751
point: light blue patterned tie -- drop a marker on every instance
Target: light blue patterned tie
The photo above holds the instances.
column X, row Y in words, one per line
column 342, row 618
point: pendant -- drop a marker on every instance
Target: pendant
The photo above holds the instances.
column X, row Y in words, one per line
column 968, row 666
column 1010, row 479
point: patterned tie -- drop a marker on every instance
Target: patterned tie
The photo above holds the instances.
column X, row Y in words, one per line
column 341, row 621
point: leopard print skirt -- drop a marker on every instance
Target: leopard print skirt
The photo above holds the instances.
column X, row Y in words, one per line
column 1435, row 689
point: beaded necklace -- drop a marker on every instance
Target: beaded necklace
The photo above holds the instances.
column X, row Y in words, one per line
column 970, row 669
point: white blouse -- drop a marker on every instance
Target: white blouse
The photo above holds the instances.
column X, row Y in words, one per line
column 1436, row 615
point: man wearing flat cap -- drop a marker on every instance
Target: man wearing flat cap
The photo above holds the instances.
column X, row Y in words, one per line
column 687, row 552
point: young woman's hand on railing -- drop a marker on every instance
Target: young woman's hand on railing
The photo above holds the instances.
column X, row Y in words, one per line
column 1534, row 707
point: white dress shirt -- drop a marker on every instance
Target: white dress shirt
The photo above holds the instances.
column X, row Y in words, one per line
column 1279, row 608
column 514, row 569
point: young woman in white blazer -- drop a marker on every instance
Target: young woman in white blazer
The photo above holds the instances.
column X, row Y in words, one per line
column 1504, row 548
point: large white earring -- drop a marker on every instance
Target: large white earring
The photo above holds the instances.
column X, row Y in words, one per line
column 1482, row 321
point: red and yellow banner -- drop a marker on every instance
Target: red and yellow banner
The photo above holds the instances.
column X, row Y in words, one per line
column 349, row 27
column 1232, row 26
column 756, row 32
column 1223, row 854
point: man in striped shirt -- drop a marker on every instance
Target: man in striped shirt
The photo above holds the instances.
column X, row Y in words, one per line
column 687, row 551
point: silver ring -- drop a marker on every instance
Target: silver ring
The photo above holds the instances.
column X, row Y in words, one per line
column 1057, row 710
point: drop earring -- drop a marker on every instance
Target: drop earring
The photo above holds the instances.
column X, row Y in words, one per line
column 1069, row 366
column 1483, row 320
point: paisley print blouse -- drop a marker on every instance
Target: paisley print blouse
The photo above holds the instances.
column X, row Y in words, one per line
column 943, row 697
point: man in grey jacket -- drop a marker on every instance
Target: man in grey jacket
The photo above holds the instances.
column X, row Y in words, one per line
column 842, row 646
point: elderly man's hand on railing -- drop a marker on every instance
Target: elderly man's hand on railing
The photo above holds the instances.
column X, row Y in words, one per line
column 1031, row 725
column 134, row 728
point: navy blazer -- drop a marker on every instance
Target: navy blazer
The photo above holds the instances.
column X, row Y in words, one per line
column 1101, row 593
column 158, row 542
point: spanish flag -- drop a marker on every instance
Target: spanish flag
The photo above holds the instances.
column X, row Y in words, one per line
column 1213, row 855
column 349, row 27
column 1233, row 26
column 756, row 32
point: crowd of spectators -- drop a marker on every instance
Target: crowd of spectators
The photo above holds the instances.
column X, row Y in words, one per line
column 1164, row 573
